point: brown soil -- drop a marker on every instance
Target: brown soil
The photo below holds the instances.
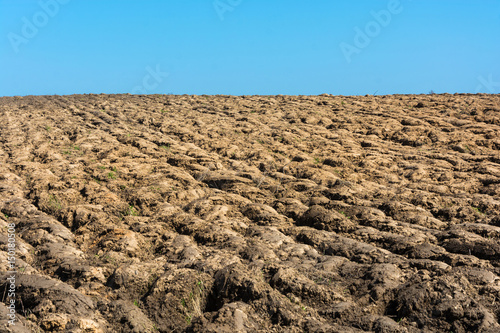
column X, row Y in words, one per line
column 252, row 214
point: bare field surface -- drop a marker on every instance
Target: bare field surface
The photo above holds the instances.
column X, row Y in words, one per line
column 186, row 213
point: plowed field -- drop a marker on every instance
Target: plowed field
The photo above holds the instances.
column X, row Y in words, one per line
column 165, row 213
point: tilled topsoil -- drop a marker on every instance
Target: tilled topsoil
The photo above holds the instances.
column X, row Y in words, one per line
column 165, row 213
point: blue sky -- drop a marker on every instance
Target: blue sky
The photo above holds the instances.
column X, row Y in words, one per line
column 248, row 47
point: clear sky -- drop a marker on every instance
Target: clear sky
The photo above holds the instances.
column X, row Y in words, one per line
column 248, row 47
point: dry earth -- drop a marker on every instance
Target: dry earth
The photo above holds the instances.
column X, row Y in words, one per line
column 186, row 213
